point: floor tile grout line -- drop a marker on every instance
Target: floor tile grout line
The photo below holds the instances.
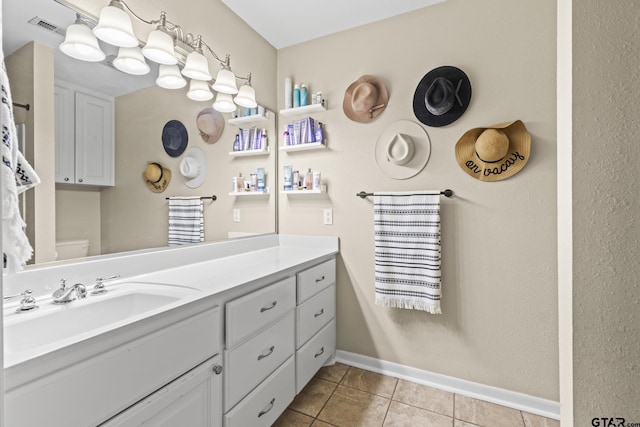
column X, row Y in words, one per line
column 327, row 401
column 395, row 387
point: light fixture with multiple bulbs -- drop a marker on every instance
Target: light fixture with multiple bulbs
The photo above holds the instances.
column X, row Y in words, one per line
column 115, row 27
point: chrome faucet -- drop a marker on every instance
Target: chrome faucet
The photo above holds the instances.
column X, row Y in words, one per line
column 27, row 303
column 65, row 295
column 99, row 288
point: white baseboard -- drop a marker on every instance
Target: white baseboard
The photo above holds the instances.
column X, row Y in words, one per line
column 510, row 399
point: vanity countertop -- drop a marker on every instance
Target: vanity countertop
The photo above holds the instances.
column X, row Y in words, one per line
column 220, row 271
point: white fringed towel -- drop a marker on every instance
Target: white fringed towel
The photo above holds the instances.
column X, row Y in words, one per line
column 17, row 177
column 407, row 243
column 186, row 220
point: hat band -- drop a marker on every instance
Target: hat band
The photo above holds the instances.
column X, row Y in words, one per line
column 161, row 173
column 499, row 160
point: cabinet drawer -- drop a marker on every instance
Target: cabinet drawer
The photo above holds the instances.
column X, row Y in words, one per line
column 250, row 363
column 265, row 404
column 250, row 312
column 313, row 354
column 314, row 313
column 315, row 279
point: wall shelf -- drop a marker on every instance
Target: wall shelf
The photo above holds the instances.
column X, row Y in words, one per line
column 320, row 191
column 246, row 153
column 250, row 120
column 249, row 193
column 296, row 111
column 304, row 147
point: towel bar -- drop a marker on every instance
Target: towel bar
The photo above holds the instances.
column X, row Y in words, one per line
column 446, row 193
column 213, row 198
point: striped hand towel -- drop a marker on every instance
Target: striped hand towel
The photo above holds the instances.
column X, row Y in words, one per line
column 407, row 244
column 186, row 220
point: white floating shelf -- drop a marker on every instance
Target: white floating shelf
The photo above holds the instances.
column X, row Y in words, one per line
column 301, row 192
column 296, row 111
column 248, row 120
column 245, row 153
column 250, row 193
column 305, row 146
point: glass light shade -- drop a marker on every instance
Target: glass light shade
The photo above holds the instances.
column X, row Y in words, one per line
column 169, row 77
column 225, row 82
column 199, row 91
column 159, row 48
column 246, row 97
column 80, row 43
column 131, row 61
column 196, row 67
column 224, row 103
column 114, row 27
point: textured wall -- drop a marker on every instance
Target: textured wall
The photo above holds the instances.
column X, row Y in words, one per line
column 499, row 325
column 606, row 302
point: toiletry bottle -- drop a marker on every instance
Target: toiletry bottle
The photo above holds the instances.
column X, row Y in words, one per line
column 316, row 180
column 296, row 179
column 240, row 182
column 296, row 95
column 287, row 138
column 264, row 143
column 254, row 182
column 303, row 95
column 319, row 133
column 236, row 143
column 319, row 99
column 308, row 180
column 234, row 184
column 288, row 93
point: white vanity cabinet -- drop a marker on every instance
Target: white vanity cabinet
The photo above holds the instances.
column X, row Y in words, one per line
column 84, row 136
column 315, row 320
column 277, row 338
column 194, row 400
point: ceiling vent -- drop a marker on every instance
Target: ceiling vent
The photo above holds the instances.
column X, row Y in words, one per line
column 45, row 25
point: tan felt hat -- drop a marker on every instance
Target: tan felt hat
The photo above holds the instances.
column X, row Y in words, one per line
column 402, row 149
column 210, row 124
column 365, row 99
column 156, row 177
column 494, row 153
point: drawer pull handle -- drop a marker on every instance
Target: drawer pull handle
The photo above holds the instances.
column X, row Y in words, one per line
column 262, row 356
column 273, row 304
column 217, row 369
column 320, row 313
column 320, row 352
column 264, row 411
column 320, row 279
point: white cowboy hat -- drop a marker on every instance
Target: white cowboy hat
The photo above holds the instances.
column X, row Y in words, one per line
column 193, row 168
column 402, row 149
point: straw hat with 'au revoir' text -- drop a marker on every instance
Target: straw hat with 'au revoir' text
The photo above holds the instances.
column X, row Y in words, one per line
column 494, row 153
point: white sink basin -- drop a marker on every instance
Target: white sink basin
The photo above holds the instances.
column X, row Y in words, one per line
column 55, row 325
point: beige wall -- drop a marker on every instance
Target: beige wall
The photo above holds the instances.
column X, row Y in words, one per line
column 30, row 71
column 78, row 216
column 133, row 217
column 606, row 131
column 499, row 325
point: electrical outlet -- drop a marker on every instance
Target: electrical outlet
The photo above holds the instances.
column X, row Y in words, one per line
column 328, row 216
column 236, row 215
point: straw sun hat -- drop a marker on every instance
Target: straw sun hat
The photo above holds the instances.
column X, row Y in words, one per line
column 156, row 177
column 495, row 152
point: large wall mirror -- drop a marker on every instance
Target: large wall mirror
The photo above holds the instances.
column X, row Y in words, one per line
column 126, row 216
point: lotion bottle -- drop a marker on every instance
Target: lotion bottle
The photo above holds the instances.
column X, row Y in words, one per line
column 308, row 180
column 319, row 133
column 296, row 96
column 303, row 95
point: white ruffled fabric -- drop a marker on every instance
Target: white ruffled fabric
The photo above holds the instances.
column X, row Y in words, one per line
column 17, row 177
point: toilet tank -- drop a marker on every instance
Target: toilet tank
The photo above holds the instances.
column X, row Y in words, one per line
column 68, row 249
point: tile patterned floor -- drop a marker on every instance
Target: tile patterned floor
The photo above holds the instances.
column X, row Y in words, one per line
column 345, row 396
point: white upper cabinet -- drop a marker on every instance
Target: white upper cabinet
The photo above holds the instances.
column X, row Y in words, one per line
column 84, row 136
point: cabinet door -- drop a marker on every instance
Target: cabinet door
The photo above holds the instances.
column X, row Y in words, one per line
column 94, row 140
column 64, row 134
column 193, row 400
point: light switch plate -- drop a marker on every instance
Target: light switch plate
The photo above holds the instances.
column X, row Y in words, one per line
column 328, row 216
column 236, row 215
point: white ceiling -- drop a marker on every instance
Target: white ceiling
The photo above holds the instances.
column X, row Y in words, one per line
column 287, row 22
